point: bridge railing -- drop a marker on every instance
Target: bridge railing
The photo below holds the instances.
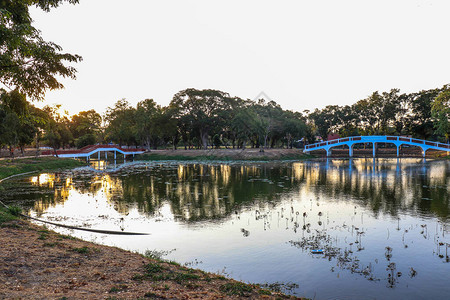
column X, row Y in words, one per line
column 368, row 139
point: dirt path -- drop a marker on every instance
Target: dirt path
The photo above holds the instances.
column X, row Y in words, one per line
column 38, row 264
column 237, row 154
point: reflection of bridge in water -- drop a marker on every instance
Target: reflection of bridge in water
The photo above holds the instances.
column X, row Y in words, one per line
column 398, row 141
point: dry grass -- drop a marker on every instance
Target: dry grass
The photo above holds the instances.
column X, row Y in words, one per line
column 40, row 264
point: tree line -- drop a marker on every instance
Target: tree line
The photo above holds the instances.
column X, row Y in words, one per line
column 213, row 119
column 424, row 114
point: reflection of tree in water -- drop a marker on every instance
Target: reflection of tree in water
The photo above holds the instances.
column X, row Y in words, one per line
column 199, row 192
column 385, row 187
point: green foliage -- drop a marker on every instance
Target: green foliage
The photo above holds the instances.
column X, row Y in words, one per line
column 388, row 113
column 81, row 250
column 85, row 140
column 57, row 130
column 121, row 123
column 154, row 271
column 86, row 125
column 264, row 292
column 441, row 113
column 6, row 215
column 236, row 288
column 118, row 288
column 19, row 120
column 27, row 62
column 15, row 210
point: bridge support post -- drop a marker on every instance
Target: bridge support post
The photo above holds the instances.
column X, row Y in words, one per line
column 350, row 150
column 106, row 155
column 115, row 154
column 328, row 152
column 98, row 155
column 398, row 150
column 374, row 148
column 424, row 151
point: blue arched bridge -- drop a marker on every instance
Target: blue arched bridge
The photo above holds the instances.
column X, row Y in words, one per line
column 374, row 139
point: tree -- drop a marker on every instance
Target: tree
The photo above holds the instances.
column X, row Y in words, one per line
column 20, row 121
column 441, row 113
column 200, row 109
column 418, row 116
column 27, row 62
column 293, row 127
column 121, row 126
column 168, row 126
column 85, row 127
column 57, row 132
column 243, row 125
column 147, row 113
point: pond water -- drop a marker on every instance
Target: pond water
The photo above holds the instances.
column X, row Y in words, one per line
column 381, row 226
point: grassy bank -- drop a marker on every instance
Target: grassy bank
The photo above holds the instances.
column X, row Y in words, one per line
column 46, row 264
column 11, row 167
column 7, row 215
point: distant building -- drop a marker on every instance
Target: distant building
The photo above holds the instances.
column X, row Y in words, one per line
column 333, row 136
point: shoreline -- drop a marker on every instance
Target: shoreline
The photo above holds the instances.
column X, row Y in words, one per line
column 39, row 263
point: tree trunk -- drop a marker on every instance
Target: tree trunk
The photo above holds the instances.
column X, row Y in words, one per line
column 204, row 138
column 54, row 151
column 174, row 144
column 11, row 151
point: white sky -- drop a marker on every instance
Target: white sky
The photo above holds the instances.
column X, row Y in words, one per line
column 302, row 54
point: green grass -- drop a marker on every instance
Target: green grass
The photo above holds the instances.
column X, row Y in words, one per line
column 7, row 215
column 82, row 250
column 118, row 288
column 236, row 288
column 154, row 271
column 9, row 167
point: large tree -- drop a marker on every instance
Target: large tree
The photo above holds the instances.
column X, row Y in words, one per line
column 441, row 113
column 201, row 109
column 122, row 123
column 27, row 62
column 19, row 120
column 147, row 115
column 85, row 128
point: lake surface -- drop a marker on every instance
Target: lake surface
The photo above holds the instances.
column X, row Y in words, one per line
column 382, row 225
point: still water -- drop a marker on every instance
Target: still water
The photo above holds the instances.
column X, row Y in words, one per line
column 382, row 225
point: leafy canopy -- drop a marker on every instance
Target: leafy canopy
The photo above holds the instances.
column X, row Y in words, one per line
column 27, row 62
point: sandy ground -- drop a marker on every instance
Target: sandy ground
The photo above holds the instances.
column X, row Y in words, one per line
column 38, row 264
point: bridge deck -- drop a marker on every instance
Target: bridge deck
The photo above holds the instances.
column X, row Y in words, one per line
column 373, row 139
column 92, row 149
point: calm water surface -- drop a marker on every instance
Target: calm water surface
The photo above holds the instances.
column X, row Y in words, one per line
column 383, row 225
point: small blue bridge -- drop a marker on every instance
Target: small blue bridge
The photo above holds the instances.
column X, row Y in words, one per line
column 374, row 139
column 92, row 149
